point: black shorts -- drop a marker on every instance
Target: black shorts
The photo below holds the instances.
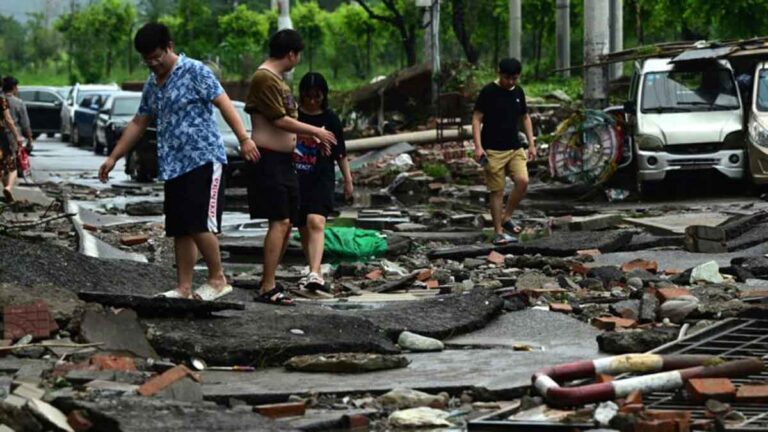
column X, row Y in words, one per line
column 194, row 201
column 316, row 198
column 273, row 187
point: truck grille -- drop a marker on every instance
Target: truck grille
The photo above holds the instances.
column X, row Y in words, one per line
column 694, row 163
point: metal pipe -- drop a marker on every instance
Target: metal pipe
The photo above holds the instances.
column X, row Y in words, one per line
column 420, row 137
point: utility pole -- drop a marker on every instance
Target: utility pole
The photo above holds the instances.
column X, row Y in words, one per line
column 515, row 28
column 563, row 36
column 596, row 43
column 284, row 15
column 616, row 12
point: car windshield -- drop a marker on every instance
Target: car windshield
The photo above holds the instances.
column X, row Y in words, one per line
column 710, row 89
column 223, row 126
column 126, row 106
column 762, row 91
column 63, row 91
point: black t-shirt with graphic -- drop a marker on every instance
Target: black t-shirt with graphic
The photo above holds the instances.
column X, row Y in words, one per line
column 316, row 171
column 502, row 110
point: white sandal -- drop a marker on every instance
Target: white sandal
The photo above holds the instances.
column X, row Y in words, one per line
column 175, row 294
column 209, row 293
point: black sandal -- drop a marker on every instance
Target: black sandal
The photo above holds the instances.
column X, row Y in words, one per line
column 512, row 227
column 276, row 296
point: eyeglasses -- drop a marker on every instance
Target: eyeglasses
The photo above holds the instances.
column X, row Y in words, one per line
column 155, row 60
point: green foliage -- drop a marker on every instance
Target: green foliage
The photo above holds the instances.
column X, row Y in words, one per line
column 245, row 36
column 308, row 19
column 12, row 36
column 436, row 170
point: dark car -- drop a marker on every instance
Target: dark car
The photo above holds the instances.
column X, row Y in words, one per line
column 85, row 118
column 114, row 115
column 44, row 108
column 141, row 163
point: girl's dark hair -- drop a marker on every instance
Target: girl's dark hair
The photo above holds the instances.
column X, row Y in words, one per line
column 314, row 81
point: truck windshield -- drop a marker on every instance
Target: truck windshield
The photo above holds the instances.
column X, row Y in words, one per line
column 762, row 91
column 684, row 91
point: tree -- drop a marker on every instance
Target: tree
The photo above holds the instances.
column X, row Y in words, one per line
column 349, row 39
column 539, row 21
column 307, row 19
column 153, row 10
column 12, row 35
column 401, row 15
column 114, row 19
column 195, row 32
column 464, row 18
column 42, row 41
column 245, row 35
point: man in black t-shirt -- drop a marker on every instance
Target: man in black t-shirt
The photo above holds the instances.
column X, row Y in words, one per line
column 498, row 110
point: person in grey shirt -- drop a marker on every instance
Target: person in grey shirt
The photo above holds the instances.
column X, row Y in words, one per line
column 18, row 109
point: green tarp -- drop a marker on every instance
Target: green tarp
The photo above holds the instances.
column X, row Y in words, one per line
column 346, row 242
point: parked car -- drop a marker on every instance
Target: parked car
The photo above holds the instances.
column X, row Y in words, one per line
column 758, row 126
column 685, row 116
column 74, row 98
column 84, row 127
column 141, row 163
column 44, row 108
column 112, row 119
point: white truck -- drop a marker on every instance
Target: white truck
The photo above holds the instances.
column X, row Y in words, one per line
column 686, row 116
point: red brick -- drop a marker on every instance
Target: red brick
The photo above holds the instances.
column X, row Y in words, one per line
column 424, row 275
column 641, row 264
column 665, row 294
column 356, row 423
column 679, row 420
column 589, row 252
column 752, row 393
column 106, row 362
column 89, row 227
column 78, row 421
column 579, row 268
column 701, row 389
column 432, row 284
column 31, row 318
column 157, row 383
column 288, row 409
column 133, row 240
column 560, row 307
column 603, row 378
column 495, row 258
column 612, row 323
column 657, row 426
column 375, row 274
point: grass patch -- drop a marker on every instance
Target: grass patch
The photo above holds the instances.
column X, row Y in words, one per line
column 436, row 170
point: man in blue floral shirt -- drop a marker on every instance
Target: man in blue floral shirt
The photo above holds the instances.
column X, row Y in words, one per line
column 180, row 95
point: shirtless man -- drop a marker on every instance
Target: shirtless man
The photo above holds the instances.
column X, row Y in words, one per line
column 273, row 186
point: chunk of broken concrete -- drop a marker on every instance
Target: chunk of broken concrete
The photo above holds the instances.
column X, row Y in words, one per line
column 403, row 398
column 50, row 414
column 633, row 341
column 678, row 308
column 419, row 417
column 609, row 275
column 117, row 332
column 145, row 208
column 708, row 272
column 346, row 362
column 418, row 343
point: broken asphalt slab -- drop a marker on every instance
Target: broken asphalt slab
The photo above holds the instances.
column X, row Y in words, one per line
column 91, row 246
column 154, row 306
column 679, row 259
column 559, row 244
column 503, row 371
column 675, row 224
column 266, row 335
column 138, row 414
column 53, row 265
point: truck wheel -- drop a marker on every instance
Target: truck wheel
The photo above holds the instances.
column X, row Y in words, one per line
column 50, row 134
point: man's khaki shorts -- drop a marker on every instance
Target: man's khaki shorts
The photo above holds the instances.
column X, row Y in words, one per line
column 510, row 163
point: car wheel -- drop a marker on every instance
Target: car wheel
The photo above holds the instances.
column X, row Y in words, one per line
column 76, row 136
column 35, row 135
column 64, row 137
column 97, row 148
column 50, row 134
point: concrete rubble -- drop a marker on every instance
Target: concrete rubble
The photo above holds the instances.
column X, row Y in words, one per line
column 440, row 331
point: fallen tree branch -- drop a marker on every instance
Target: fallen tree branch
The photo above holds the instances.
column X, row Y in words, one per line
column 51, row 345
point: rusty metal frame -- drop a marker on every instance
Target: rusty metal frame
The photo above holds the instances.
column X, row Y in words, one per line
column 731, row 339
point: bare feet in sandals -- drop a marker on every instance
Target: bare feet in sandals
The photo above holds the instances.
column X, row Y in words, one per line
column 276, row 296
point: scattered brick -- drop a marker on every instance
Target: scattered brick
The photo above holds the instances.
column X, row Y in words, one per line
column 432, row 284
column 579, row 268
column 701, row 389
column 133, row 240
column 538, row 292
column 665, row 294
column 30, row 318
column 288, row 409
column 89, row 227
column 78, row 421
column 157, row 383
column 495, row 258
column 657, row 426
column 641, row 264
column 106, row 362
column 560, row 307
column 424, row 275
column 603, row 378
column 613, row 323
column 633, row 403
column 356, row 422
column 375, row 274
column 594, row 253
column 752, row 393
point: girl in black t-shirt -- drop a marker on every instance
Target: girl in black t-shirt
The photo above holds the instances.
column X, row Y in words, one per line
column 316, row 173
